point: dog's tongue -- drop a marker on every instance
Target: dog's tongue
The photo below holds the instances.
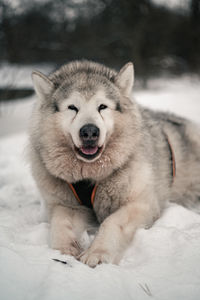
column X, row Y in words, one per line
column 89, row 150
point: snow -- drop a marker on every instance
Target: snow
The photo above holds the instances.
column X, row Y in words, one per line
column 173, row 4
column 20, row 75
column 178, row 95
column 15, row 118
column 161, row 263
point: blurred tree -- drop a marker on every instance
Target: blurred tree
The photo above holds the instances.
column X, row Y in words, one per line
column 195, row 10
column 110, row 31
column 195, row 34
column 5, row 14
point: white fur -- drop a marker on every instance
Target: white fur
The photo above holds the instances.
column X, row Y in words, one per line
column 71, row 122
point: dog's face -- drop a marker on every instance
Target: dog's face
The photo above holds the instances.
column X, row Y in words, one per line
column 82, row 110
column 87, row 117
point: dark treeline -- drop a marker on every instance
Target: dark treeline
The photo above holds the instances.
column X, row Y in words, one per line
column 109, row 31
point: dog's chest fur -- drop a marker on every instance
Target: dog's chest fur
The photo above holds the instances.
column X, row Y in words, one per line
column 97, row 198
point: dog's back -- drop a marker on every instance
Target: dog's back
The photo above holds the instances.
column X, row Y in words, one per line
column 183, row 151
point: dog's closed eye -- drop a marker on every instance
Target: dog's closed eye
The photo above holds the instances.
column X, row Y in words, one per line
column 101, row 107
column 73, row 107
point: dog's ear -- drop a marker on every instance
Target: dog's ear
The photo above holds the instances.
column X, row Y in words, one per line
column 42, row 84
column 125, row 79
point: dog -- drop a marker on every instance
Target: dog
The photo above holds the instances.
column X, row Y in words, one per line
column 98, row 156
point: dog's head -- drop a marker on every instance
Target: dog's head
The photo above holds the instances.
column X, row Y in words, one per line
column 85, row 108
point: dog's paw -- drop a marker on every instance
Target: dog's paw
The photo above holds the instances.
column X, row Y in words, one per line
column 94, row 257
column 72, row 249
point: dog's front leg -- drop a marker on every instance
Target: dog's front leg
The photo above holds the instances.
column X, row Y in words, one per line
column 116, row 233
column 67, row 224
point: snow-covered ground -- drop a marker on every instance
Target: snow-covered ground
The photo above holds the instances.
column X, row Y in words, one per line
column 14, row 116
column 162, row 262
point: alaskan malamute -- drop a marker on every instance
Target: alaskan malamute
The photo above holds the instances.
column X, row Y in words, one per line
column 97, row 154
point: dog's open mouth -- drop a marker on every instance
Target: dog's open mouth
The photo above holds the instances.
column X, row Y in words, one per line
column 89, row 152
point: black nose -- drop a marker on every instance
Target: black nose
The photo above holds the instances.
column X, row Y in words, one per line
column 89, row 132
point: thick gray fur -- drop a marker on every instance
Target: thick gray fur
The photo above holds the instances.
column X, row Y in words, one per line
column 134, row 171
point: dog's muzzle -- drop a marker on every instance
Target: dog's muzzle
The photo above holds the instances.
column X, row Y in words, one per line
column 89, row 135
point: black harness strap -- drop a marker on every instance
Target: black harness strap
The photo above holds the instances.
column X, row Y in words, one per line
column 171, row 157
column 84, row 190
